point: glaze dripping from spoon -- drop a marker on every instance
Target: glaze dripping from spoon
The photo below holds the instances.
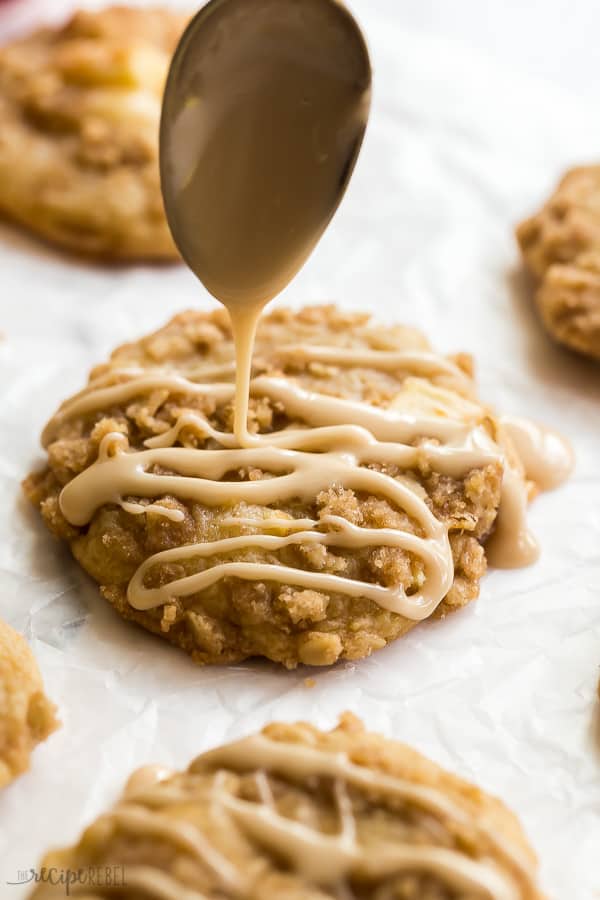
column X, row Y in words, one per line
column 263, row 118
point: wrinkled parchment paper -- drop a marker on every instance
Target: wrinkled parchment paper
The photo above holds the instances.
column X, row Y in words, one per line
column 504, row 693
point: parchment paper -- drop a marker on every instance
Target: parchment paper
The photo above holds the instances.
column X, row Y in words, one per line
column 504, row 693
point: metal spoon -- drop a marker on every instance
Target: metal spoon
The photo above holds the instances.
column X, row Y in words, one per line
column 264, row 114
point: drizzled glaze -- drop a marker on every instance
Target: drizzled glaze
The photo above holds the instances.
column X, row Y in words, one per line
column 501, row 872
column 547, row 457
column 304, row 461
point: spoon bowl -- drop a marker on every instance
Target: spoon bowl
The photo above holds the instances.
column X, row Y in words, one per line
column 264, row 114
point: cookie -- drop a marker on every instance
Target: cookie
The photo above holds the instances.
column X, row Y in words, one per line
column 79, row 116
column 561, row 247
column 302, row 549
column 27, row 717
column 569, row 303
column 294, row 812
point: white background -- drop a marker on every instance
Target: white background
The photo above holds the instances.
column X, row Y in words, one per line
column 478, row 107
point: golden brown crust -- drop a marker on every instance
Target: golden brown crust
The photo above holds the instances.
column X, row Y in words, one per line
column 382, row 821
column 27, row 717
column 569, row 303
column 235, row 620
column 561, row 247
column 79, row 114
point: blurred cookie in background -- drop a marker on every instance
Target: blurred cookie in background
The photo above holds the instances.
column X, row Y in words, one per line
column 561, row 247
column 295, row 813
column 27, row 717
column 79, row 117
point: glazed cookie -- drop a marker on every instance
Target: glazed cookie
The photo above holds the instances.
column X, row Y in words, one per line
column 79, row 115
column 561, row 247
column 297, row 814
column 363, row 507
column 27, row 717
